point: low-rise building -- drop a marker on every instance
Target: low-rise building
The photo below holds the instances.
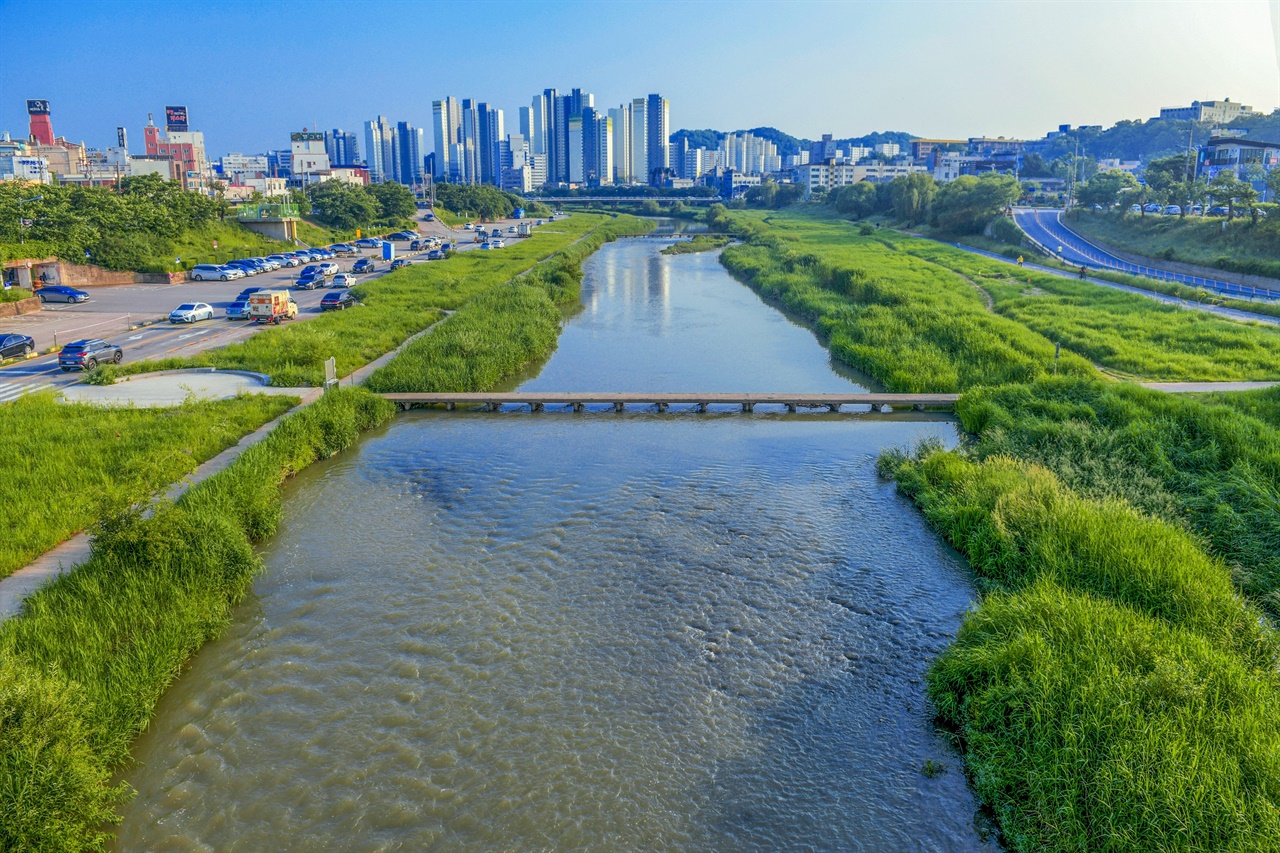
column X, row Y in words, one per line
column 1220, row 112
column 1244, row 158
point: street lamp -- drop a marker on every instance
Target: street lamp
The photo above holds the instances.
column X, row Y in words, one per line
column 22, row 236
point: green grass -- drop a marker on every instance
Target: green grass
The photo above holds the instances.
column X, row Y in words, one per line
column 699, row 243
column 14, row 294
column 392, row 308
column 72, row 463
column 448, row 217
column 911, row 324
column 1123, row 332
column 500, row 331
column 1111, row 692
column 1242, row 247
column 83, row 666
column 1263, row 404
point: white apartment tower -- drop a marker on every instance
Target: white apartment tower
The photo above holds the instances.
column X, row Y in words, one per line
column 621, row 119
column 446, row 122
column 639, row 168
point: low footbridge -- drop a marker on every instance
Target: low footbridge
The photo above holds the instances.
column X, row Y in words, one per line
column 538, row 401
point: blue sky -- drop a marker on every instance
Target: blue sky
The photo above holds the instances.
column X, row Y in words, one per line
column 250, row 72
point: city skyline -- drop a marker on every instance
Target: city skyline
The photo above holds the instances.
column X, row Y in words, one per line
column 850, row 85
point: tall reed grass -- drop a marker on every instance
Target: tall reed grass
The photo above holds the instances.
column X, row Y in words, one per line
column 83, row 666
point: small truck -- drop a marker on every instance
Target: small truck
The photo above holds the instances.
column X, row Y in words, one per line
column 272, row 306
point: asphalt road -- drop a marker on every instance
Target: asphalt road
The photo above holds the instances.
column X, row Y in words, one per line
column 112, row 312
column 1046, row 228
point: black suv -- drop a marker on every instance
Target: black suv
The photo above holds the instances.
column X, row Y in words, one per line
column 88, row 354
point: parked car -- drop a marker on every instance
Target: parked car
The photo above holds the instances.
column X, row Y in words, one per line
column 1153, row 208
column 310, row 282
column 401, row 236
column 337, row 300
column 1218, row 210
column 400, row 262
column 1172, row 210
column 15, row 345
column 310, row 270
column 244, row 266
column 1195, row 210
column 364, row 265
column 435, row 255
column 247, row 292
column 325, row 254
column 368, row 242
column 61, row 293
column 285, row 260
column 266, row 263
column 344, row 279
column 191, row 312
column 87, row 354
column 215, row 272
column 343, row 250
column 329, row 270
column 238, row 310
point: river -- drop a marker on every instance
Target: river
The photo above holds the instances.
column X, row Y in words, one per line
column 597, row 631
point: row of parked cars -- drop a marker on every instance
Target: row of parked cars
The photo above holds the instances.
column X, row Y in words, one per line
column 243, row 267
column 1192, row 210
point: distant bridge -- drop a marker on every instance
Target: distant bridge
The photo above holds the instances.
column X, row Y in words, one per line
column 538, row 401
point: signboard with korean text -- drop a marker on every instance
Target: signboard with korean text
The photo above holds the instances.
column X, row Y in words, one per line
column 37, row 107
column 175, row 119
column 305, row 136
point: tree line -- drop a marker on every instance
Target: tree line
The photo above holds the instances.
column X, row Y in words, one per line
column 346, row 207
column 1172, row 180
column 962, row 206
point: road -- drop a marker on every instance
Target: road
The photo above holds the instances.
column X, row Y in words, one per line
column 111, row 313
column 1046, row 228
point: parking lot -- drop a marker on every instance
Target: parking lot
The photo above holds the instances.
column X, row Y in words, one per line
column 135, row 316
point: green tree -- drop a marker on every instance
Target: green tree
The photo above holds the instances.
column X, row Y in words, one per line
column 1104, row 188
column 1226, row 186
column 967, row 204
column 342, row 206
column 650, row 208
column 396, row 202
column 857, row 200
column 1166, row 172
column 912, row 196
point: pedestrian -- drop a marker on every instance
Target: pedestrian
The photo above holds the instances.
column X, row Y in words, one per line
column 1019, row 260
column 1082, row 271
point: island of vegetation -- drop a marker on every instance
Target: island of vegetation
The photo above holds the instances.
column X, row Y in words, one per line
column 699, row 243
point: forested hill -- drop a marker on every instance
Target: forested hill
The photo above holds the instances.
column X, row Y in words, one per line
column 787, row 144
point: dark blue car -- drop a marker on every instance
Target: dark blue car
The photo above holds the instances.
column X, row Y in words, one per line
column 15, row 345
column 337, row 300
column 61, row 293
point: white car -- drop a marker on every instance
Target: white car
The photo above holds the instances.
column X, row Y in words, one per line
column 497, row 244
column 344, row 279
column 470, row 226
column 190, row 312
column 284, row 260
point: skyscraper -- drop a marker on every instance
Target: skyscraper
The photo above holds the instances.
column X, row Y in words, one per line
column 446, row 122
column 490, row 125
column 639, row 141
column 658, row 150
column 342, row 147
column 558, row 138
column 621, row 119
column 538, row 125
column 597, row 147
column 408, row 154
column 574, row 150
column 380, row 154
column 469, row 139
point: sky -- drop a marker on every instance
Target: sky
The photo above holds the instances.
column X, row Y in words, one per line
column 252, row 72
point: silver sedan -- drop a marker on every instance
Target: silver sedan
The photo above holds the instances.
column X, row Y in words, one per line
column 190, row 312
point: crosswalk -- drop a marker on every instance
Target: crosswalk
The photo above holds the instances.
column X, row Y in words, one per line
column 10, row 391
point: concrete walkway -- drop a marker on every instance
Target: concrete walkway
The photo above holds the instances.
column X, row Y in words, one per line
column 1205, row 387
column 76, row 550
column 174, row 387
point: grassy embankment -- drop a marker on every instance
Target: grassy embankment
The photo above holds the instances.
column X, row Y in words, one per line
column 83, row 666
column 1112, row 691
column 699, row 243
column 392, row 308
column 14, row 294
column 70, row 464
column 1241, row 247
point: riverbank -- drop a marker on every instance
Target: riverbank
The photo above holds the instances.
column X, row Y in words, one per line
column 83, row 665
column 1113, row 677
column 699, row 243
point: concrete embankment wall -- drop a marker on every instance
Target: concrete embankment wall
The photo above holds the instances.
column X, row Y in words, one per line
column 23, row 306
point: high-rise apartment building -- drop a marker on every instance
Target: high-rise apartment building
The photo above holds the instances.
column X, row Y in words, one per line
column 409, row 154
column 537, row 137
column 639, row 141
column 658, row 150
column 621, row 119
column 491, row 133
column 573, row 152
column 342, row 147
column 597, row 147
column 470, row 141
column 380, row 149
column 446, row 125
